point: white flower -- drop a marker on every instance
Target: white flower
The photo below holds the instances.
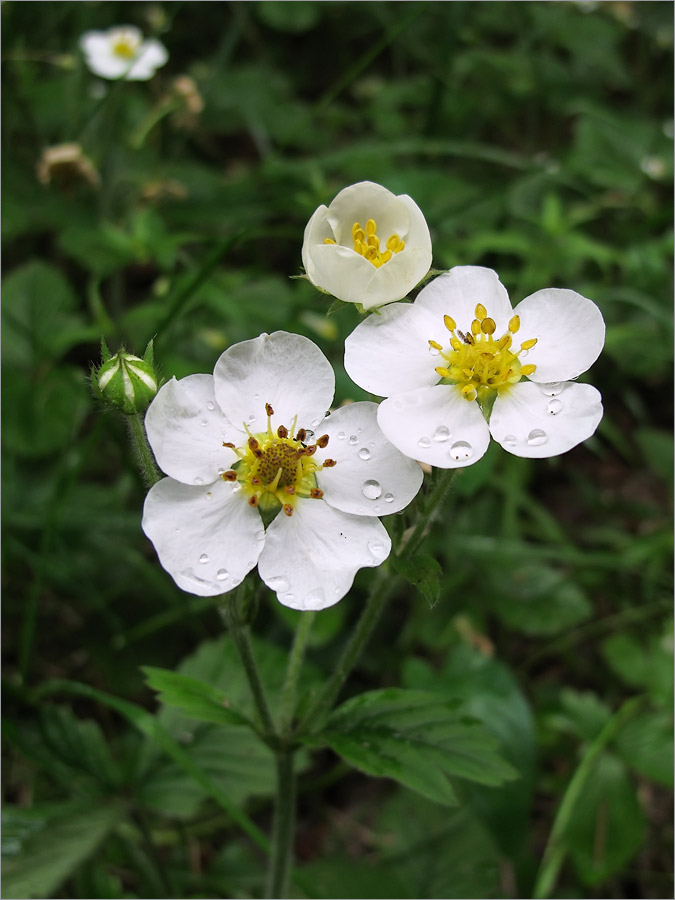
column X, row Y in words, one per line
column 121, row 52
column 461, row 342
column 255, row 437
column 369, row 246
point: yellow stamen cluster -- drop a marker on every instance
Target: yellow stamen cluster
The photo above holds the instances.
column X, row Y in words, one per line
column 275, row 467
column 478, row 362
column 367, row 243
column 125, row 46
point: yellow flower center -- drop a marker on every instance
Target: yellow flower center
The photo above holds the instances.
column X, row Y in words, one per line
column 367, row 243
column 275, row 467
column 477, row 361
column 125, row 46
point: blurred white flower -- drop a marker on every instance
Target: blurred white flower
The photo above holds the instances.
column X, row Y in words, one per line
column 121, row 52
column 369, row 246
column 255, row 438
column 455, row 373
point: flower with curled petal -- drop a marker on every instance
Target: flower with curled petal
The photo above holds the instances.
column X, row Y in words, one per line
column 255, row 438
column 368, row 246
column 121, row 52
column 459, row 364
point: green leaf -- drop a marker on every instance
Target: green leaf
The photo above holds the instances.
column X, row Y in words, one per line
column 645, row 744
column 48, row 857
column 195, row 698
column 607, row 825
column 416, row 738
column 422, row 571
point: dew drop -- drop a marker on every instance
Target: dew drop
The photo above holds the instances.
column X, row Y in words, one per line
column 256, row 396
column 364, row 453
column 260, row 536
column 222, row 574
column 204, row 558
column 287, row 598
column 236, row 486
column 424, row 442
column 461, row 450
column 552, row 390
column 554, row 407
column 210, row 405
column 510, row 440
column 376, row 548
column 315, row 597
column 177, row 530
column 371, row 489
column 442, row 433
column 209, row 495
column 220, row 470
column 278, row 583
column 341, row 435
column 235, row 582
column 388, row 498
column 316, row 423
column 204, row 423
column 353, row 439
column 537, row 437
column 433, row 351
column 251, row 418
column 199, row 481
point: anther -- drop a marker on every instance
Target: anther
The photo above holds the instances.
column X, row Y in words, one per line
column 268, row 409
column 282, row 431
column 528, row 345
column 230, row 445
column 329, row 463
column 505, row 342
column 288, row 509
column 231, row 475
column 435, row 345
column 443, row 372
column 450, row 323
column 253, row 501
column 311, row 450
column 488, row 326
column 371, row 227
column 253, row 444
column 528, row 369
column 257, row 453
column 323, row 441
column 301, row 436
column 481, row 312
column 475, row 327
column 514, row 324
column 255, row 479
column 328, row 241
column 290, row 488
column 316, row 494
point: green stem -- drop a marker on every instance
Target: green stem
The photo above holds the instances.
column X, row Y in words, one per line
column 287, row 701
column 240, row 637
column 554, row 854
column 144, row 455
column 284, row 827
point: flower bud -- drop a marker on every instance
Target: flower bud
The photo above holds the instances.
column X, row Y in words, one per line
column 125, row 381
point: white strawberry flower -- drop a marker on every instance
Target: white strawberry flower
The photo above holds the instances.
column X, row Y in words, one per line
column 255, row 437
column 459, row 364
column 121, row 52
column 369, row 246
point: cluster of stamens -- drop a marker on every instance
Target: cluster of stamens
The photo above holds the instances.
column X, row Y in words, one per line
column 478, row 362
column 125, row 45
column 367, row 243
column 277, row 467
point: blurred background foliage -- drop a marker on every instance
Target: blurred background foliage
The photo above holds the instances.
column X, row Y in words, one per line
column 537, row 139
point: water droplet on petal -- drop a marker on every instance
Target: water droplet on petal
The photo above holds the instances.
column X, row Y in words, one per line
column 310, row 435
column 260, row 536
column 199, row 481
column 424, row 442
column 177, row 530
column 235, row 582
column 220, row 470
column 287, row 598
column 364, row 453
column 222, row 574
column 376, row 548
column 353, row 439
column 442, row 433
column 537, row 437
column 278, row 583
column 341, row 435
column 209, row 495
column 315, row 598
column 236, row 486
column 210, row 405
column 552, row 390
column 204, row 422
column 371, row 489
column 434, row 351
column 388, row 498
column 398, row 404
column 256, row 396
column 510, row 440
column 316, row 423
column 461, row 450
column 204, row 558
column 554, row 407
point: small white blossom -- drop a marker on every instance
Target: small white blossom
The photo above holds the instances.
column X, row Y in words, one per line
column 255, row 437
column 459, row 365
column 121, row 52
column 369, row 246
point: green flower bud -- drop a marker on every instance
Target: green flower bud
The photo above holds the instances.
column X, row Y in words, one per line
column 125, row 381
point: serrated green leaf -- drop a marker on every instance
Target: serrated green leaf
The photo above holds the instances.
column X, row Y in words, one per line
column 416, row 738
column 422, row 571
column 193, row 697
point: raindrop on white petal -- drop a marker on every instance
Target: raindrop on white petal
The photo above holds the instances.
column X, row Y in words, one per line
column 523, row 353
column 442, row 433
column 310, row 434
column 434, row 351
column 209, row 495
column 256, row 396
column 204, row 422
column 510, row 440
column 220, row 470
column 287, row 598
column 388, row 498
column 316, row 423
column 278, row 583
column 359, row 430
column 554, row 407
column 398, row 404
column 318, row 595
column 364, row 453
column 222, row 574
column 236, row 486
column 371, row 489
column 210, row 405
column 251, row 418
column 461, row 450
column 424, row 442
column 537, row 437
column 376, row 548
column 235, row 582
column 199, row 481
column 260, row 536
column 177, row 530
column 353, row 439
column 341, row 435
column 552, row 390
column 204, row 558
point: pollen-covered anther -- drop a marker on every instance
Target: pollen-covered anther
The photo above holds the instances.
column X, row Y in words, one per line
column 253, row 500
column 268, row 409
column 449, row 323
column 311, row 450
column 316, row 493
column 514, row 324
column 229, row 444
column 529, row 369
column 230, row 475
column 301, row 436
column 288, row 509
column 253, row 444
column 367, row 243
column 322, row 441
column 329, row 463
column 282, row 431
column 488, row 325
column 481, row 312
column 528, row 345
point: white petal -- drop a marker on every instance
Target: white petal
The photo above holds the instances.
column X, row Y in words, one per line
column 206, row 538
column 310, row 558
column 151, row 56
column 186, row 430
column 341, row 271
column 388, row 353
column 393, row 280
column 570, row 333
column 372, row 477
column 435, row 425
column 367, row 200
column 457, row 292
column 286, row 370
column 105, row 64
column 316, row 231
column 539, row 420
